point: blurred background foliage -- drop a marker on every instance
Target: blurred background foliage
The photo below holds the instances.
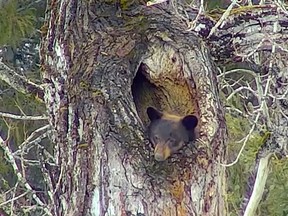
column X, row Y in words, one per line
column 20, row 21
column 16, row 22
column 275, row 199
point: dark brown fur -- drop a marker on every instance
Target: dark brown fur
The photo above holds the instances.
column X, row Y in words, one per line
column 168, row 133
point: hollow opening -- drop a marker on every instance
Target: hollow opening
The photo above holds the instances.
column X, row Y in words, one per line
column 145, row 94
column 170, row 95
column 165, row 93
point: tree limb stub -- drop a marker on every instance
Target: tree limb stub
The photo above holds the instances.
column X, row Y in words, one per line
column 90, row 61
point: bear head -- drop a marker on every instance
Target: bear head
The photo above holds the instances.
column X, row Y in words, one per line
column 168, row 133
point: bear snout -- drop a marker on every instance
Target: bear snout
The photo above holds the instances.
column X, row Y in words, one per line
column 162, row 152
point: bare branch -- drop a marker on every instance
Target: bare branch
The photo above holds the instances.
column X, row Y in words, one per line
column 250, row 72
column 12, row 202
column 223, row 17
column 20, row 83
column 29, row 145
column 32, row 135
column 259, row 185
column 264, row 87
column 234, row 40
column 12, row 161
column 14, row 198
column 244, row 143
column 240, row 89
column 25, row 117
column 192, row 24
column 257, row 179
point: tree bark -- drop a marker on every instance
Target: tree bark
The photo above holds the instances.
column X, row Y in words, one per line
column 105, row 63
column 90, row 58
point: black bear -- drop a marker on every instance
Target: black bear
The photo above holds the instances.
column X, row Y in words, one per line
column 168, row 133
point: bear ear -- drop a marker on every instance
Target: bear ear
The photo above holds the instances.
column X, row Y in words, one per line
column 153, row 114
column 190, row 122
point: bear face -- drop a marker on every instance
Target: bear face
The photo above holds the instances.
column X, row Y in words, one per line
column 168, row 133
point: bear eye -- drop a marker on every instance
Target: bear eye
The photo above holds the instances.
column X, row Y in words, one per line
column 156, row 138
column 172, row 140
column 174, row 143
column 172, row 137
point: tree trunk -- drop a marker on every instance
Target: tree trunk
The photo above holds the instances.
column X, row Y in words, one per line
column 97, row 109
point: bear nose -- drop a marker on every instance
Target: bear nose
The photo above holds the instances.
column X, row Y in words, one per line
column 161, row 152
column 159, row 157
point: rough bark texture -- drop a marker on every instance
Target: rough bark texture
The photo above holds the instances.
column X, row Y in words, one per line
column 90, row 55
column 247, row 32
column 90, row 58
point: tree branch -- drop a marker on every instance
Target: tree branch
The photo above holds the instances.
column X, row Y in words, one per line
column 257, row 180
column 20, row 83
column 19, row 117
column 20, row 177
column 231, row 39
